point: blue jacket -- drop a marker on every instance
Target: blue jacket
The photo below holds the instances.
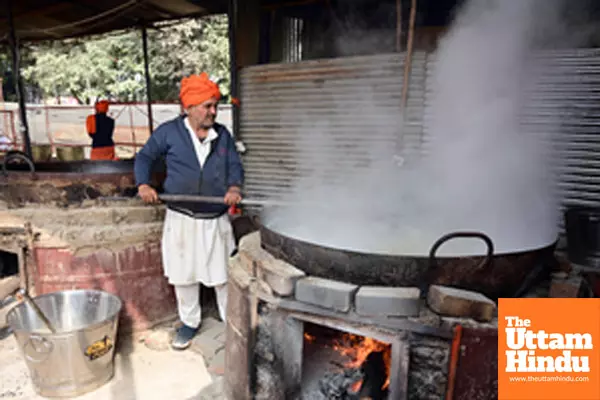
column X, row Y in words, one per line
column 222, row 169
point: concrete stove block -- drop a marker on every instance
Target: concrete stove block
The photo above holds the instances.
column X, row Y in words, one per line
column 453, row 302
column 278, row 274
column 326, row 293
column 281, row 277
column 388, row 301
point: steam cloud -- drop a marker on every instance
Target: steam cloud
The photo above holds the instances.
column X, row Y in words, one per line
column 485, row 170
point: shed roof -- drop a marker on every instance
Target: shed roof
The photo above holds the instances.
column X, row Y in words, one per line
column 59, row 19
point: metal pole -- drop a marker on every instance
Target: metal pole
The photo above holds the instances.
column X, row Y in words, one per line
column 398, row 26
column 409, row 52
column 14, row 47
column 232, row 22
column 147, row 75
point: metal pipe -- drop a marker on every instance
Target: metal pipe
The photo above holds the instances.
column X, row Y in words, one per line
column 14, row 47
column 233, row 85
column 409, row 52
column 189, row 198
column 220, row 200
column 147, row 76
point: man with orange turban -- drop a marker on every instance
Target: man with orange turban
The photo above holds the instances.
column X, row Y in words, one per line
column 100, row 127
column 201, row 159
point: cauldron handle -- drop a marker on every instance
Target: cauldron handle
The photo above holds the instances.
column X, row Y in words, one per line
column 490, row 247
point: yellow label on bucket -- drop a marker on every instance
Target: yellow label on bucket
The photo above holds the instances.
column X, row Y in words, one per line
column 99, row 348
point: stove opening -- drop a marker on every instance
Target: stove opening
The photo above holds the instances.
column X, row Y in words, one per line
column 345, row 366
column 9, row 264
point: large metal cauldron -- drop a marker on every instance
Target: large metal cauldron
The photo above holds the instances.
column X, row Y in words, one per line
column 73, row 181
column 494, row 275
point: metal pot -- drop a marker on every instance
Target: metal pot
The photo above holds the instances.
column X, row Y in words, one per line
column 79, row 356
column 493, row 275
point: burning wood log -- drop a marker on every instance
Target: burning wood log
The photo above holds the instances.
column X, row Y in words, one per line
column 375, row 377
column 338, row 385
column 366, row 382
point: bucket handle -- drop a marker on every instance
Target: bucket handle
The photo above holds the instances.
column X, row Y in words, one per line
column 40, row 345
column 483, row 264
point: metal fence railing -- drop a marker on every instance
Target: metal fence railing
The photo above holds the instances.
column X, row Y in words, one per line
column 64, row 125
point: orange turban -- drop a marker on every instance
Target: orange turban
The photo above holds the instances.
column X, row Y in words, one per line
column 102, row 107
column 196, row 89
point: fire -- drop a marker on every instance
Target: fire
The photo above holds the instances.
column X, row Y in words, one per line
column 358, row 349
column 309, row 338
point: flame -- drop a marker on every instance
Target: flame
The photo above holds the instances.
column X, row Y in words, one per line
column 358, row 349
column 309, row 338
column 356, row 386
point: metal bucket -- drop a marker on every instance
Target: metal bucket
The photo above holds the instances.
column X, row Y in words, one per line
column 79, row 357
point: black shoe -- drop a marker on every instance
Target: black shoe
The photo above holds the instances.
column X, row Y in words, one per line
column 183, row 337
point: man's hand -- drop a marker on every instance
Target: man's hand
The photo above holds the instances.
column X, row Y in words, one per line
column 233, row 196
column 148, row 194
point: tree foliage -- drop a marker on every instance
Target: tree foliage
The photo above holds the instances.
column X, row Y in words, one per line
column 113, row 66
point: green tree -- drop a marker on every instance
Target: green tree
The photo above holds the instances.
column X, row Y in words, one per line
column 113, row 65
column 190, row 48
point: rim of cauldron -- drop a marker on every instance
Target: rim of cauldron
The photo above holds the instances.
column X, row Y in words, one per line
column 263, row 227
column 85, row 166
column 81, row 166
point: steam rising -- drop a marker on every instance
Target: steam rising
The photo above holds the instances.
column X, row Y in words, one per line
column 484, row 170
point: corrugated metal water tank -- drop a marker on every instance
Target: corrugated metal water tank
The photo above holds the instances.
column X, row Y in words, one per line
column 331, row 107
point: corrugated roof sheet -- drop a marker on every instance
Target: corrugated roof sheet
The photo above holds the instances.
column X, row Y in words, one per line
column 51, row 19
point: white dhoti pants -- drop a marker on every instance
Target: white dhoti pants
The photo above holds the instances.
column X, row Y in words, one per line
column 196, row 251
column 188, row 303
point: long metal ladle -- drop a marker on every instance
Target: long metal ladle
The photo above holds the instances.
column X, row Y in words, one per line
column 38, row 311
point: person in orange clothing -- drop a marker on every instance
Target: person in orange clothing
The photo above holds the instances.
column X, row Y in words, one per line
column 100, row 127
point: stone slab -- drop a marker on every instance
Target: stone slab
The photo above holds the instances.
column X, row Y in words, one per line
column 279, row 275
column 326, row 293
column 250, row 241
column 454, row 302
column 565, row 288
column 206, row 346
column 217, row 364
column 211, row 327
column 388, row 301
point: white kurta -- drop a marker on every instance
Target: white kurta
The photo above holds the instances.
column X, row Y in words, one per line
column 197, row 250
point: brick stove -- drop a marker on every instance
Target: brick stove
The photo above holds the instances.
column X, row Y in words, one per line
column 78, row 241
column 276, row 313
